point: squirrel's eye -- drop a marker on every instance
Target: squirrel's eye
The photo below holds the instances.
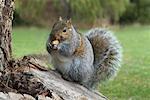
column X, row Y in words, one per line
column 64, row 30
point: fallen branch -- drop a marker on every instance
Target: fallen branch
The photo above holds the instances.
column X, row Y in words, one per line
column 29, row 76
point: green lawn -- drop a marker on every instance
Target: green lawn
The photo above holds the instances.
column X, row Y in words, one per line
column 133, row 80
column 29, row 40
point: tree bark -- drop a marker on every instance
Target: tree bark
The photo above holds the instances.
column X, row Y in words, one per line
column 6, row 16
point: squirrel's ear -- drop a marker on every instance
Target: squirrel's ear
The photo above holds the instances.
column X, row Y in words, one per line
column 60, row 18
column 69, row 22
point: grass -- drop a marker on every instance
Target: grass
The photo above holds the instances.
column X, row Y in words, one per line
column 29, row 40
column 133, row 80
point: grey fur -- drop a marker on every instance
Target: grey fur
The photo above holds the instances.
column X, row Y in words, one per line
column 87, row 69
column 109, row 58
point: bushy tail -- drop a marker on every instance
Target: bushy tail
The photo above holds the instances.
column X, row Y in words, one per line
column 107, row 53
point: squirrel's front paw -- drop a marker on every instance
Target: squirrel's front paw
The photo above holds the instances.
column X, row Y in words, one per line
column 49, row 47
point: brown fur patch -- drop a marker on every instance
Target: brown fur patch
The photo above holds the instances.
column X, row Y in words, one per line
column 80, row 50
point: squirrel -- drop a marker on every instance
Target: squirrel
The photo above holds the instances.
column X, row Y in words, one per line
column 85, row 59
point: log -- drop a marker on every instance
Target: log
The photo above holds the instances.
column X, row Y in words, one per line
column 65, row 89
column 30, row 76
column 17, row 96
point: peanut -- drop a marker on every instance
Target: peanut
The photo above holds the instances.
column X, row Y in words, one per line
column 55, row 42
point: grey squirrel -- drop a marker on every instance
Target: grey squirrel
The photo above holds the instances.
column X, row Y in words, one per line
column 86, row 59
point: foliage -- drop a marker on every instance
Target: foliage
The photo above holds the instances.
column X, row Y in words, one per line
column 35, row 12
column 86, row 9
column 30, row 10
column 144, row 11
column 137, row 11
column 97, row 9
column 114, row 8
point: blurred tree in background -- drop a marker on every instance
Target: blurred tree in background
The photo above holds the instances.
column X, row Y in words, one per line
column 29, row 11
column 137, row 11
column 45, row 12
column 92, row 10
